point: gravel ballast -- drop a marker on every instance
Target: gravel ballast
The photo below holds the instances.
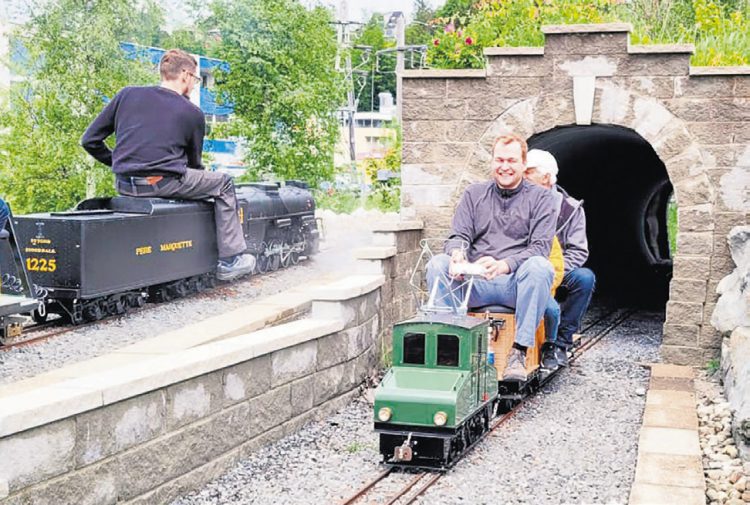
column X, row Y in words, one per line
column 574, row 442
column 343, row 233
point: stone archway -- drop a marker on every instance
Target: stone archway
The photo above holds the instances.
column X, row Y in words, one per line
column 682, row 157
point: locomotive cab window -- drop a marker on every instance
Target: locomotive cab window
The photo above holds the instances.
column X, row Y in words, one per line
column 414, row 348
column 447, row 350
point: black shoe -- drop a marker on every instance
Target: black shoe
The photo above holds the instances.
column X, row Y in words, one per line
column 562, row 356
column 549, row 359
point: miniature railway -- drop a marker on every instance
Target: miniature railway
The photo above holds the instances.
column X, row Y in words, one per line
column 408, row 494
column 66, row 327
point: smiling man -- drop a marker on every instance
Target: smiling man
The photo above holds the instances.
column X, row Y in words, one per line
column 508, row 224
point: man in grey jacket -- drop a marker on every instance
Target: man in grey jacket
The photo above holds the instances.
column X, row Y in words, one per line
column 574, row 293
column 508, row 225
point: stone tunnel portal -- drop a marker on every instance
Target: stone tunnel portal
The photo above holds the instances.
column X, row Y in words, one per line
column 626, row 193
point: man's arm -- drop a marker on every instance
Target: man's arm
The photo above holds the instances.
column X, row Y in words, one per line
column 101, row 128
column 462, row 229
column 194, row 149
column 574, row 242
column 541, row 231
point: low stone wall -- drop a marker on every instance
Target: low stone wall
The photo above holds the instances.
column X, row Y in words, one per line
column 160, row 418
column 395, row 254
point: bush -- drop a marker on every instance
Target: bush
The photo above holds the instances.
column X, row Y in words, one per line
column 719, row 30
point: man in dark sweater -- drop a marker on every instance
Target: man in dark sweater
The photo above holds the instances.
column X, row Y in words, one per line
column 508, row 225
column 158, row 153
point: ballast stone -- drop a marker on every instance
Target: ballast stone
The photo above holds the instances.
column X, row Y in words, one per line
column 735, row 364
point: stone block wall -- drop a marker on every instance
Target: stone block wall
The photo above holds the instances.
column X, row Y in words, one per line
column 696, row 119
column 146, row 433
column 395, row 254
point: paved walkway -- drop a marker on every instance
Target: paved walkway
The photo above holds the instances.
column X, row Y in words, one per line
column 669, row 468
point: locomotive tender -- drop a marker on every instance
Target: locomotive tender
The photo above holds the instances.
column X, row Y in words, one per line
column 110, row 254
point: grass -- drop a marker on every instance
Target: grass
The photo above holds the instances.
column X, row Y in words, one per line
column 358, row 446
column 712, row 366
column 672, row 227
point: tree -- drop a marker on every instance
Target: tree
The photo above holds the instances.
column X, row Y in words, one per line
column 381, row 72
column 420, row 30
column 72, row 63
column 283, row 85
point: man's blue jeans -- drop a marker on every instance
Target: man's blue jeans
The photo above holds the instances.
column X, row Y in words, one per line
column 575, row 290
column 4, row 213
column 526, row 290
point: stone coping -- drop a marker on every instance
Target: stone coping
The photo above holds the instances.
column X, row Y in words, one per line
column 662, row 49
column 587, row 28
column 737, row 70
column 375, row 252
column 348, row 287
column 398, row 226
column 514, row 51
column 445, row 73
column 243, row 320
column 43, row 405
column 669, row 467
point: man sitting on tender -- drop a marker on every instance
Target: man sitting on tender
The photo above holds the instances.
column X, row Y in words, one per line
column 508, row 224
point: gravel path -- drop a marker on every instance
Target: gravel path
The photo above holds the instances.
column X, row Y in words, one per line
column 575, row 442
column 343, row 233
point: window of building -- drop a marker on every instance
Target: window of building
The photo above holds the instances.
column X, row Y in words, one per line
column 414, row 347
column 447, row 350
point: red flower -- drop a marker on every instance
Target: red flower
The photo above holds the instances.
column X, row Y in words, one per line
column 469, row 41
column 436, row 42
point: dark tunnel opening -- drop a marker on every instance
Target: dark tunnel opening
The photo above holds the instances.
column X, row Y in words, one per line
column 626, row 193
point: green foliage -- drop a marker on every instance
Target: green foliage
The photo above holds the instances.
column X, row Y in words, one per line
column 358, row 446
column 384, row 74
column 74, row 62
column 672, row 227
column 420, row 30
column 713, row 366
column 283, row 85
column 382, row 195
column 720, row 29
column 340, row 202
column 507, row 23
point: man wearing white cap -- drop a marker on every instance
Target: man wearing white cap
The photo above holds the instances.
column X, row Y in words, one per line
column 574, row 294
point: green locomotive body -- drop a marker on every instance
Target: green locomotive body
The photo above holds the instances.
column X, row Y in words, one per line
column 440, row 394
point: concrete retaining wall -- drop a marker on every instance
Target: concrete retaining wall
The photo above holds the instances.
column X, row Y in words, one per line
column 165, row 416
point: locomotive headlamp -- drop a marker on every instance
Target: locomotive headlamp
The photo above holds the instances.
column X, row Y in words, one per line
column 384, row 414
column 440, row 418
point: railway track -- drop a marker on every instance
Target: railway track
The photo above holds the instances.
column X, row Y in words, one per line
column 408, row 492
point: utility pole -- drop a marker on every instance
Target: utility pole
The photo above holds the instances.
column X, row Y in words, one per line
column 400, row 48
column 343, row 25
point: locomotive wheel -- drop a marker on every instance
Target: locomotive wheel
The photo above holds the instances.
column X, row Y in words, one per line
column 274, row 260
column 298, row 246
column 261, row 264
column 37, row 317
column 286, row 255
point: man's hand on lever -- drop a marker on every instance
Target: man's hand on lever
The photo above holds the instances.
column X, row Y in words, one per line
column 493, row 267
column 457, row 258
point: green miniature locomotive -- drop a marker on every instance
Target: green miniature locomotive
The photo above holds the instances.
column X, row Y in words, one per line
column 439, row 396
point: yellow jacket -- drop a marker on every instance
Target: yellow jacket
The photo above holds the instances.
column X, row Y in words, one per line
column 556, row 258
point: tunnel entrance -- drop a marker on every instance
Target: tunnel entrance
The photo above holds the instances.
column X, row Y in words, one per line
column 626, row 193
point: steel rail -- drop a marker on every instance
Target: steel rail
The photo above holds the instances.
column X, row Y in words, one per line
column 590, row 342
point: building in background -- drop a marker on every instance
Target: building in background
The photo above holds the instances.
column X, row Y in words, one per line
column 374, row 132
